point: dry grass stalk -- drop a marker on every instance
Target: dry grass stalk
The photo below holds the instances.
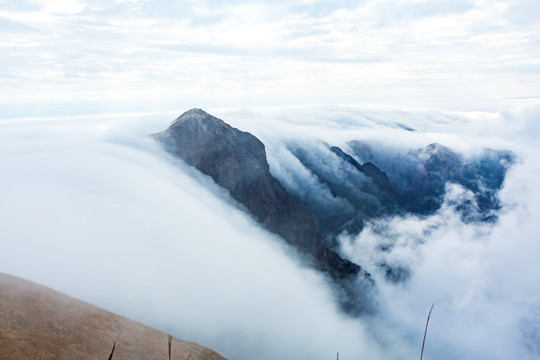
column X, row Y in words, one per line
column 170, row 346
column 425, row 331
column 112, row 352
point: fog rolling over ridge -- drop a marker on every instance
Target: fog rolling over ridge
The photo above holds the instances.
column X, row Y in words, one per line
column 95, row 208
column 236, row 161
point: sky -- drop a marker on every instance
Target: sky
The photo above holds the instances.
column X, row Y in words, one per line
column 77, row 56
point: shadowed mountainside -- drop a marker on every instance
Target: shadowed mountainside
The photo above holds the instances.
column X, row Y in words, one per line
column 356, row 192
column 39, row 323
column 420, row 177
column 236, row 160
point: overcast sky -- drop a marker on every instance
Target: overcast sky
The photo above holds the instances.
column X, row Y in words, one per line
column 78, row 56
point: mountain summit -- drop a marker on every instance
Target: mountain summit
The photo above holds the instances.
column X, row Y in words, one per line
column 236, row 160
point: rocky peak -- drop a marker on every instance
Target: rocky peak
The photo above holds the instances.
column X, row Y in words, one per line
column 230, row 156
column 236, row 160
column 204, row 122
column 195, row 113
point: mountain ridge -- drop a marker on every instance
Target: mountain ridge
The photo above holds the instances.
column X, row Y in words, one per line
column 345, row 190
column 236, row 160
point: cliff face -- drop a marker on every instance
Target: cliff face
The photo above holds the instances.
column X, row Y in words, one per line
column 420, row 177
column 236, row 160
column 39, row 323
column 362, row 191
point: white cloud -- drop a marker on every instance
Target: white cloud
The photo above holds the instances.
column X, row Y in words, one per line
column 64, row 6
column 93, row 208
column 482, row 278
column 245, row 54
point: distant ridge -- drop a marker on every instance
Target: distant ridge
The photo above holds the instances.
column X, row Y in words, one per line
column 420, row 176
column 39, row 323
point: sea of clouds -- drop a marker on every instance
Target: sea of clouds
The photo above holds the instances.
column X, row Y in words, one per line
column 93, row 207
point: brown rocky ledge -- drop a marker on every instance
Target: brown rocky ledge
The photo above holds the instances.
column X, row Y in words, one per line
column 39, row 323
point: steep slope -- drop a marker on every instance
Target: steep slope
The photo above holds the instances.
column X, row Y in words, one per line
column 358, row 192
column 39, row 323
column 321, row 191
column 236, row 160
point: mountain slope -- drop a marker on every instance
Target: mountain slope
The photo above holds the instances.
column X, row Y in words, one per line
column 321, row 191
column 236, row 160
column 39, row 323
column 355, row 192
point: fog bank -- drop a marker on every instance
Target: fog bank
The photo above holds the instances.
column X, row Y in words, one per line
column 92, row 207
column 95, row 209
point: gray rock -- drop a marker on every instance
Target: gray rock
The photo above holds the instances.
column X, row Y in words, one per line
column 236, row 160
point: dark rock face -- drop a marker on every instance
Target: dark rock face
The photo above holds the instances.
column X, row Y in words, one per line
column 420, row 177
column 236, row 160
column 360, row 192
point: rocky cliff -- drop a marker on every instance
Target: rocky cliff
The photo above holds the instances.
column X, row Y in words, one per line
column 236, row 160
column 358, row 192
column 324, row 191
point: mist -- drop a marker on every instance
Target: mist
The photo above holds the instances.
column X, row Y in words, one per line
column 94, row 208
column 482, row 276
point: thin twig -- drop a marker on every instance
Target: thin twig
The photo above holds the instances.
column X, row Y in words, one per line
column 425, row 331
column 112, row 352
column 170, row 346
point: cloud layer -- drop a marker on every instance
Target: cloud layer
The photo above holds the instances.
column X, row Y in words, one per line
column 98, row 211
column 481, row 276
column 92, row 207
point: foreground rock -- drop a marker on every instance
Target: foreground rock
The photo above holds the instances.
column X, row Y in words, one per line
column 39, row 323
